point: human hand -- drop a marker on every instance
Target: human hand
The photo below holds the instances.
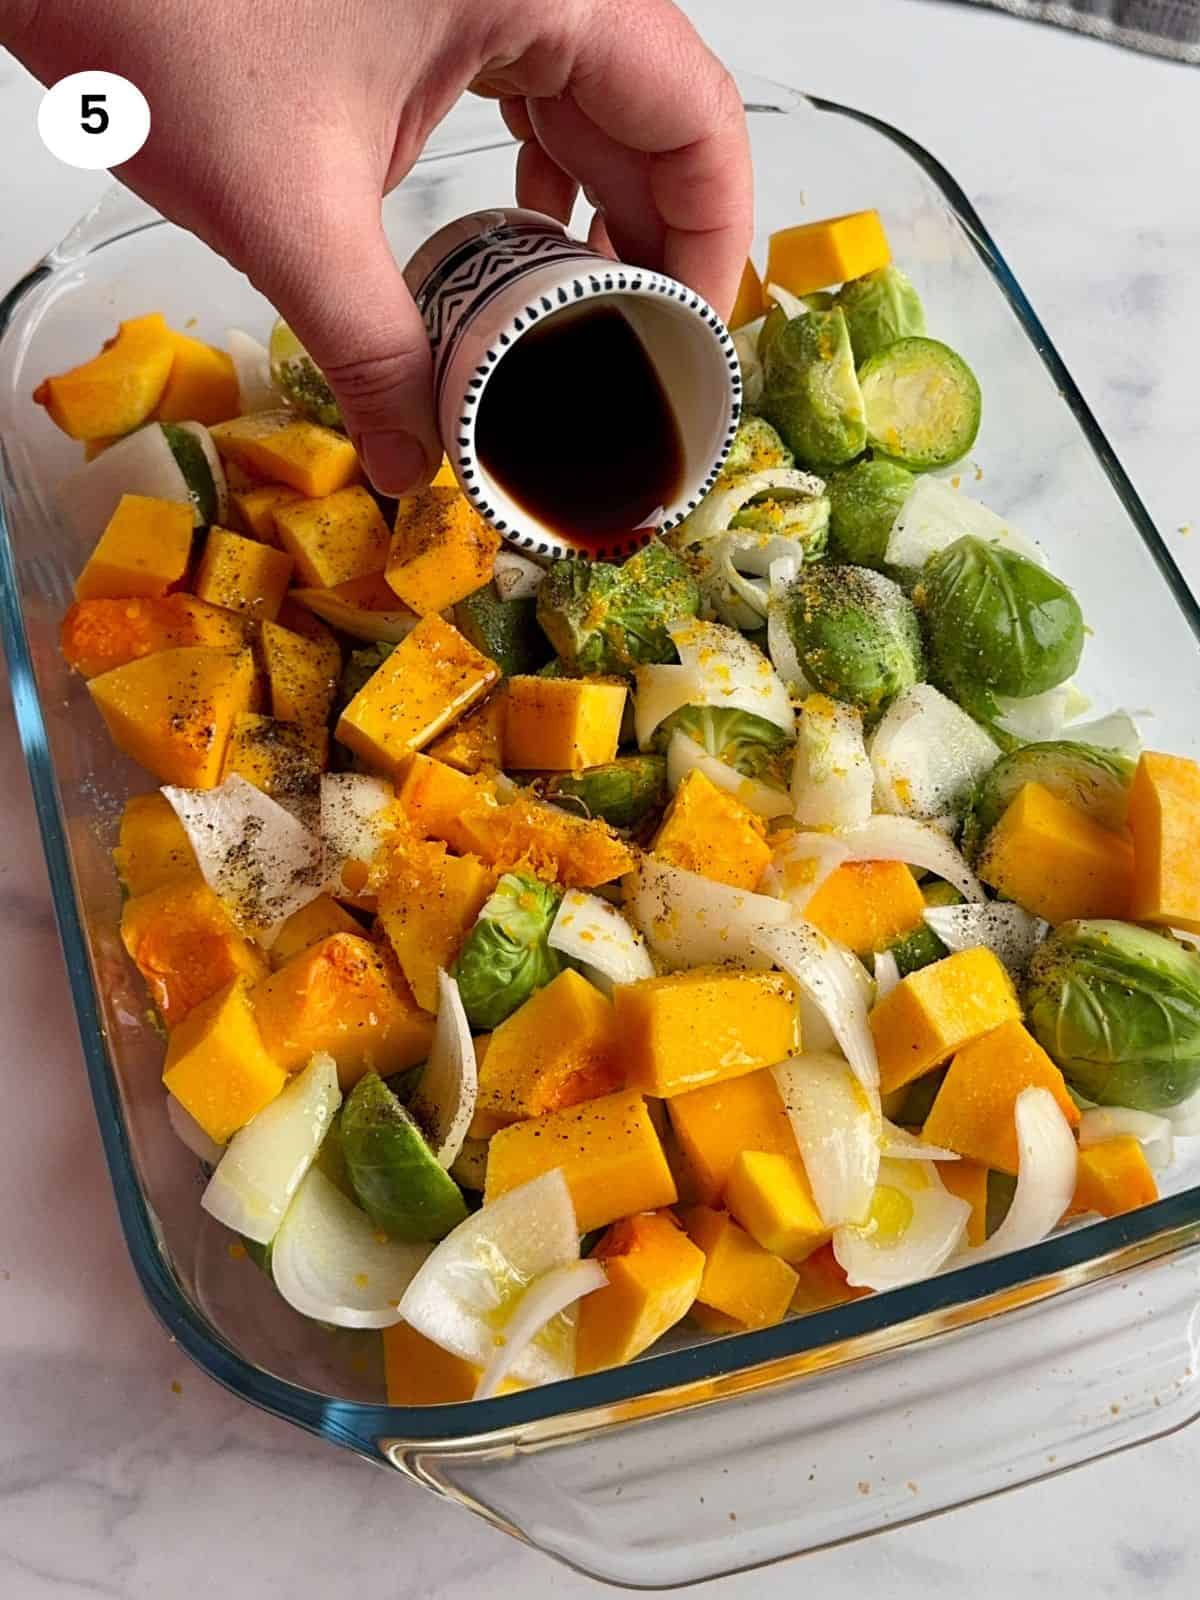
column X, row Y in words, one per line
column 278, row 127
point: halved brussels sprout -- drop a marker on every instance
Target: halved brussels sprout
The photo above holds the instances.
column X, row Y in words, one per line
column 811, row 392
column 865, row 500
column 922, row 404
column 920, row 946
column 1092, row 780
column 879, row 309
column 505, row 957
column 622, row 792
column 856, row 635
column 299, row 379
column 755, row 448
column 395, row 1175
column 749, row 744
column 505, row 630
column 602, row 618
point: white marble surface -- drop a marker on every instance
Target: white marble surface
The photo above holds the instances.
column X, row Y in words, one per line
column 123, row 1470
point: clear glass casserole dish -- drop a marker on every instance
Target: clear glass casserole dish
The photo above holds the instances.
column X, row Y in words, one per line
column 721, row 1454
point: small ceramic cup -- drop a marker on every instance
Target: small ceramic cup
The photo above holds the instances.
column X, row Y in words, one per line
column 486, row 279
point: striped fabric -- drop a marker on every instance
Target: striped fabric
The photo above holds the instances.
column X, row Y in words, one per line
column 1168, row 28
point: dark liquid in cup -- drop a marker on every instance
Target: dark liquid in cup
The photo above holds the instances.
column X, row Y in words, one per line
column 575, row 425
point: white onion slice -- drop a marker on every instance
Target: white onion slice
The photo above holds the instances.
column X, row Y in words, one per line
column 684, row 755
column 470, row 1166
column 832, row 777
column 928, row 754
column 1035, row 718
column 355, row 814
column 800, row 864
column 360, row 622
column 693, row 921
column 443, row 1102
column 790, row 304
column 915, row 1226
column 331, row 1262
column 934, row 515
column 262, row 1168
column 1154, row 1133
column 1117, row 731
column 516, row 577
column 216, row 470
column 142, row 463
column 780, row 645
column 546, row 1298
column 824, row 969
column 745, row 343
column 188, row 1130
column 919, row 844
column 898, row 1144
column 1000, row 926
column 718, row 667
column 887, row 974
column 1046, row 1169
column 837, row 1126
column 252, row 367
column 592, row 931
column 718, row 509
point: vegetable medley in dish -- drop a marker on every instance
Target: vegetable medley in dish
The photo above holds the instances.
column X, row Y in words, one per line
column 552, row 955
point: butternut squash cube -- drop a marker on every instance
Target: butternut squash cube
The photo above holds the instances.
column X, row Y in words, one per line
column 771, row 1198
column 420, row 1373
column 867, row 905
column 345, row 996
column 969, row 1181
column 202, row 386
column 242, row 575
column 435, row 798
column 319, row 919
column 561, row 724
column 822, row 1281
column 475, row 742
column 285, row 448
column 938, row 1010
column 715, row 1124
column 1112, row 1178
column 974, row 1112
column 216, row 1066
column 98, row 635
column 117, row 390
column 750, row 302
column 1055, row 861
column 608, row 1150
column 525, row 835
column 428, row 901
column 186, row 945
column 654, row 1271
column 152, row 847
column 334, row 539
column 429, row 679
column 693, row 1028
column 556, row 1050
column 441, row 550
column 302, row 673
column 280, row 758
column 255, row 509
column 143, row 550
column 818, row 255
column 173, row 711
column 709, row 831
column 1164, row 818
column 741, row 1281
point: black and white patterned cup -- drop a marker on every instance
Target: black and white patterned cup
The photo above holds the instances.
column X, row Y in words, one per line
column 483, row 281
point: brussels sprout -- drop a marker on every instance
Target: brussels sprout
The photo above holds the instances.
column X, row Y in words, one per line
column 811, row 392
column 602, row 618
column 997, row 624
column 919, row 1097
column 1001, row 1186
column 505, row 957
column 804, row 521
column 299, row 379
column 879, row 309
column 622, row 792
column 260, row 1254
column 505, row 630
column 1118, row 1009
column 920, row 946
column 359, row 666
column 820, row 300
column 1090, row 779
column 396, row 1178
column 190, row 458
column 855, row 633
column 922, row 404
column 749, row 744
column 774, row 323
column 756, row 447
column 865, row 501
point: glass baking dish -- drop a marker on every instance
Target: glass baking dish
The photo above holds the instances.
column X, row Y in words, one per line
column 719, row 1454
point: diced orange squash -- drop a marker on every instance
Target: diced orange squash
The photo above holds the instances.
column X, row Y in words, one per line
column 709, row 831
column 420, row 1373
column 697, row 1027
column 428, row 900
column 285, row 448
column 216, row 1066
column 173, row 711
column 475, row 742
column 741, row 1281
column 343, row 995
column 654, row 1271
column 117, row 390
column 938, row 1010
column 255, row 509
column 143, row 550
column 202, row 387
column 242, row 575
column 715, row 1124
column 435, row 798
column 1164, row 818
column 441, row 550
column 186, row 945
column 822, row 1282
column 152, row 847
column 280, row 758
column 561, row 724
column 818, row 255
column 557, row 1049
column 969, row 1181
column 303, row 674
column 770, row 1196
column 1112, row 1178
column 750, row 302
column 867, row 905
column 1055, row 861
column 526, row 835
column 429, row 679
column 335, row 538
column 974, row 1112
column 98, row 635
column 607, row 1149
column 319, row 919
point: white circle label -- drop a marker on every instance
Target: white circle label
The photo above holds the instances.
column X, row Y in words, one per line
column 94, row 120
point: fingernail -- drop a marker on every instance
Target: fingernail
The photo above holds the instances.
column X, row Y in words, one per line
column 395, row 460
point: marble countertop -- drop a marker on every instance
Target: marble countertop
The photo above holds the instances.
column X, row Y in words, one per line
column 124, row 1471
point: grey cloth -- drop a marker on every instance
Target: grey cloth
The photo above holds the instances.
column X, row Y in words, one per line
column 1168, row 28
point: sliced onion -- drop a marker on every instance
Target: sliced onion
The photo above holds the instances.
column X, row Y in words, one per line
column 1117, row 731
column 470, row 1166
column 546, row 1299
column 718, row 509
column 516, row 577
column 919, row 844
column 836, row 1123
column 790, row 304
column 693, row 921
column 141, row 463
column 266, row 1160
column 1036, row 718
column 684, row 755
column 800, row 864
column 824, row 969
column 1155, row 1134
column 356, row 814
column 934, row 515
column 718, row 667
column 478, row 1273
column 1000, row 926
column 887, row 974
column 1046, row 1172
column 1185, row 1117
column 832, row 778
column 928, row 754
column 252, row 367
column 745, row 343
column 592, row 931
column 329, row 1260
column 899, row 1145
column 360, row 622
column 915, row 1226
column 254, row 854
column 443, row 1102
column 186, row 1128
